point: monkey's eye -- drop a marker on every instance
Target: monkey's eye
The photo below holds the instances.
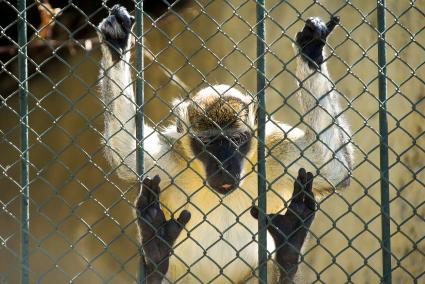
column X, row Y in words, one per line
column 239, row 138
column 204, row 139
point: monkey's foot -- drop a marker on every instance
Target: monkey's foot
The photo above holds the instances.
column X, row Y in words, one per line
column 116, row 28
column 157, row 234
column 312, row 39
column 289, row 231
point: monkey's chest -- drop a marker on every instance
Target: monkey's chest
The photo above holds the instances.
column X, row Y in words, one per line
column 219, row 246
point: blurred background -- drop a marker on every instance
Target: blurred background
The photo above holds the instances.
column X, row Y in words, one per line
column 81, row 221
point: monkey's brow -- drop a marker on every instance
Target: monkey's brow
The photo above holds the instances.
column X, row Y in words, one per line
column 224, row 131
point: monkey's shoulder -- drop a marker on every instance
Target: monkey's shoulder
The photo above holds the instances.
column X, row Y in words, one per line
column 279, row 134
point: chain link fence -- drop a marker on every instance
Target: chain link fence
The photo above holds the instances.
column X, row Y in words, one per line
column 66, row 216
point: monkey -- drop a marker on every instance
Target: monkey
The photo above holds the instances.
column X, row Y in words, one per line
column 206, row 157
column 288, row 230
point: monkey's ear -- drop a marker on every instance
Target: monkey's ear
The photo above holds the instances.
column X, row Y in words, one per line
column 179, row 126
column 252, row 115
column 180, row 112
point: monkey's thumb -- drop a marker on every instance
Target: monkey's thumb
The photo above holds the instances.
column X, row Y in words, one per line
column 254, row 212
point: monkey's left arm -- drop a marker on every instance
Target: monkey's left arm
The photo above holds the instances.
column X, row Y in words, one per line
column 326, row 143
column 289, row 231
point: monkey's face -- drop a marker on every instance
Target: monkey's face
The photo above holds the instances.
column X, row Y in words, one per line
column 220, row 120
column 223, row 157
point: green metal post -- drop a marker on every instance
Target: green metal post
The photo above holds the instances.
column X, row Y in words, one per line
column 23, row 111
column 383, row 131
column 140, row 109
column 262, row 185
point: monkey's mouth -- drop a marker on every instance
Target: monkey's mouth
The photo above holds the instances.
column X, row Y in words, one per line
column 224, row 188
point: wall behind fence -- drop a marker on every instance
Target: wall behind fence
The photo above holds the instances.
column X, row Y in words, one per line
column 82, row 226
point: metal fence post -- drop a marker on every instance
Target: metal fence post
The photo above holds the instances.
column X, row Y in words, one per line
column 140, row 110
column 262, row 182
column 23, row 112
column 383, row 131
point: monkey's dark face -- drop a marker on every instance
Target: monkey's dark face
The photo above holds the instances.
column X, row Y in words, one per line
column 222, row 157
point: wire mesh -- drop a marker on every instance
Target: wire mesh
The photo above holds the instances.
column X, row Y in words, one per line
column 67, row 216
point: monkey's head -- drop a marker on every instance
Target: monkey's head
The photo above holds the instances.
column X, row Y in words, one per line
column 220, row 121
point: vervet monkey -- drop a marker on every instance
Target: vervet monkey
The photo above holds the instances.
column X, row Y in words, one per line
column 206, row 158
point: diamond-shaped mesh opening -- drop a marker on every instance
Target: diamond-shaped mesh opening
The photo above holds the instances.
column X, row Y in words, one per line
column 82, row 216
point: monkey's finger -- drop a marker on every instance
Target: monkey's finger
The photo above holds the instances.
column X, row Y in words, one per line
column 302, row 175
column 174, row 227
column 333, row 22
column 150, row 190
column 155, row 187
column 310, row 202
column 254, row 212
column 142, row 199
column 298, row 194
column 184, row 218
column 146, row 195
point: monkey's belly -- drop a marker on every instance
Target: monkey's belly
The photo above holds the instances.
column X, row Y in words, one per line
column 218, row 249
column 220, row 246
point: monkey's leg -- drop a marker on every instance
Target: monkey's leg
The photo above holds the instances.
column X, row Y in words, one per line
column 289, row 231
column 156, row 233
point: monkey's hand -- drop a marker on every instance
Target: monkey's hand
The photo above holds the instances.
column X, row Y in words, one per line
column 157, row 234
column 311, row 40
column 115, row 29
column 289, row 231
